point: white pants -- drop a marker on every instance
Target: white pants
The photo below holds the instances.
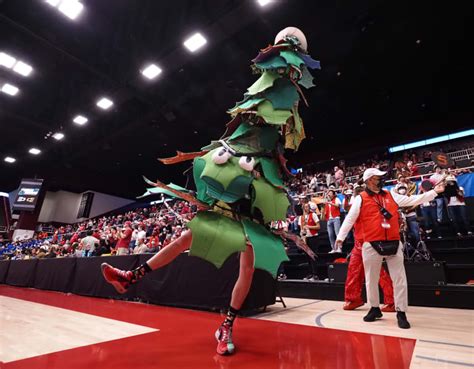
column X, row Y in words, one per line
column 372, row 264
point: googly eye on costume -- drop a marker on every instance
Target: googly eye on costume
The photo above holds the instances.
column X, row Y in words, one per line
column 247, row 163
column 221, row 156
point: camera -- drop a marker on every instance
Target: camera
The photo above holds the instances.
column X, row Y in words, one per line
column 386, row 214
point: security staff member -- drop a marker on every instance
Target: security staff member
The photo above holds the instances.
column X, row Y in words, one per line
column 376, row 209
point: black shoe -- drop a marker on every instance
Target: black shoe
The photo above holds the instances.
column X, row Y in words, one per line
column 402, row 320
column 373, row 314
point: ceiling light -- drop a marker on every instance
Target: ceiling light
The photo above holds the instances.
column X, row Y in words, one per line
column 7, row 60
column 80, row 120
column 34, row 151
column 58, row 136
column 264, row 2
column 53, row 2
column 10, row 89
column 195, row 42
column 9, row 159
column 151, row 71
column 22, row 68
column 71, row 8
column 105, row 103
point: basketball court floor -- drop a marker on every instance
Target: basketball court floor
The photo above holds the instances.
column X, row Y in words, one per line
column 42, row 329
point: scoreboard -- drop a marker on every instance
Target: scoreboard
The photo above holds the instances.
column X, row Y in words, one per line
column 28, row 194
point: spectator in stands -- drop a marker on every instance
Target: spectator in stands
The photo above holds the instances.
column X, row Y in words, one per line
column 88, row 244
column 153, row 243
column 124, row 239
column 338, row 176
column 141, row 233
column 440, row 200
column 309, row 226
column 428, row 211
column 457, row 206
column 332, row 215
column 140, row 247
column 409, row 216
column 133, row 239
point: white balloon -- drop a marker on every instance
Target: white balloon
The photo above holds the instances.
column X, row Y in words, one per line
column 221, row 156
column 247, row 163
column 292, row 31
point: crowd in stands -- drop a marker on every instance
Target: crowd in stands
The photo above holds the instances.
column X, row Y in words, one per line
column 152, row 228
column 139, row 231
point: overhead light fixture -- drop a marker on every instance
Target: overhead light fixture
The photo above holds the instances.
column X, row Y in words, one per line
column 10, row 89
column 71, row 8
column 34, row 151
column 195, row 42
column 54, row 3
column 9, row 159
column 105, row 103
column 7, row 60
column 23, row 68
column 264, row 2
column 58, row 136
column 80, row 120
column 151, row 71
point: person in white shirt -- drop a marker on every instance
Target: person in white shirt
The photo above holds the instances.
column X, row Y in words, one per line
column 440, row 201
column 141, row 235
column 88, row 244
column 457, row 206
column 332, row 215
column 133, row 240
column 309, row 226
column 140, row 248
column 376, row 210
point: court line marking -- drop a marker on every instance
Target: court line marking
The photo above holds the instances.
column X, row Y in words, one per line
column 318, row 318
column 288, row 309
column 447, row 343
column 446, row 361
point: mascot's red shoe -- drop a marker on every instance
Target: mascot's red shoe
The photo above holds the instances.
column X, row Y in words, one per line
column 225, row 346
column 120, row 279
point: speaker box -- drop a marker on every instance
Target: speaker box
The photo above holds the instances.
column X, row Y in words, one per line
column 428, row 273
column 337, row 272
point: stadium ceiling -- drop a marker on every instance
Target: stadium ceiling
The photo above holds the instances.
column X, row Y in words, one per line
column 390, row 74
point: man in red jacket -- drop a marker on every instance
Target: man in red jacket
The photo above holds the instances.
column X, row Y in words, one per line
column 355, row 274
column 377, row 212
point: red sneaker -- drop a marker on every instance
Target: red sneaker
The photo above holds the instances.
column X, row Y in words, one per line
column 352, row 305
column 225, row 346
column 120, row 279
column 388, row 308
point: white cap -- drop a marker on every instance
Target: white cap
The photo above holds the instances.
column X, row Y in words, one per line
column 372, row 172
column 312, row 206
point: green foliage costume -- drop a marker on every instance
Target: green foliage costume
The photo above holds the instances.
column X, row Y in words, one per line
column 239, row 178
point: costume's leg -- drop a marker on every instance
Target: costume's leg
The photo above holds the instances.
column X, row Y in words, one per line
column 225, row 346
column 355, row 278
column 121, row 279
column 170, row 252
column 242, row 286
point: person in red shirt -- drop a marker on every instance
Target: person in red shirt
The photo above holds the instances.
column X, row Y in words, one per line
column 124, row 236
